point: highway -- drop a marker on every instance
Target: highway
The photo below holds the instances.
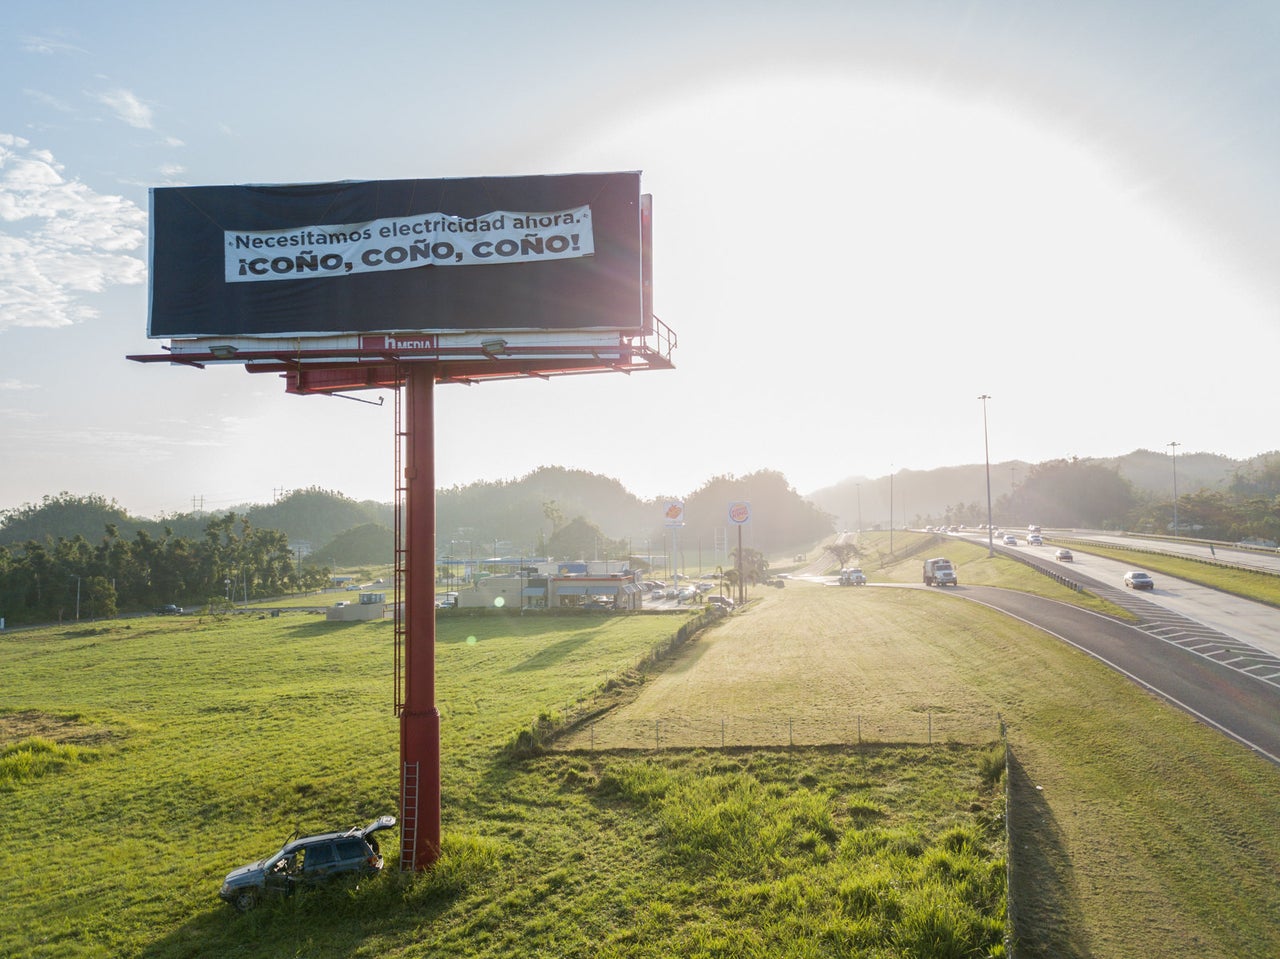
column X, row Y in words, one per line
column 1211, row 654
column 1266, row 561
column 1256, row 624
column 1239, row 705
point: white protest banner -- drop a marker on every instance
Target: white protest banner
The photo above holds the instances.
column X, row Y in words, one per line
column 406, row 243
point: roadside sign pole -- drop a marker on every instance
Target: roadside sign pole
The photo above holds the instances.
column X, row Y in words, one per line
column 420, row 719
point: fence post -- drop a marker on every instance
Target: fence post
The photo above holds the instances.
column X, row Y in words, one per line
column 593, row 737
column 657, row 734
column 931, row 727
column 722, row 732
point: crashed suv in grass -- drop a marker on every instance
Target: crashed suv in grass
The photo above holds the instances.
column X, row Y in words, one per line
column 305, row 862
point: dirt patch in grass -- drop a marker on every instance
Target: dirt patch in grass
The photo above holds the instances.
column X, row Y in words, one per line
column 71, row 730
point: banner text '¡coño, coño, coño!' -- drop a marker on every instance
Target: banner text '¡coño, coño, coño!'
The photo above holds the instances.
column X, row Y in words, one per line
column 359, row 248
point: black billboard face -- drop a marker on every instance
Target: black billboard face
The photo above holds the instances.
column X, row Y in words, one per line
column 553, row 253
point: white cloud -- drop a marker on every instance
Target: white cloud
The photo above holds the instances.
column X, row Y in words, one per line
column 58, row 240
column 127, row 107
column 16, row 385
column 48, row 46
column 48, row 100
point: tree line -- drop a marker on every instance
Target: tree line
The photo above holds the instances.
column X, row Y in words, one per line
column 1089, row 495
column 63, row 578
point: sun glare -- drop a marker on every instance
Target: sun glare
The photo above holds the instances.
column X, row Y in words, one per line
column 903, row 203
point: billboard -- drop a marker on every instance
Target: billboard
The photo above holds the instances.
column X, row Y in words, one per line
column 558, row 253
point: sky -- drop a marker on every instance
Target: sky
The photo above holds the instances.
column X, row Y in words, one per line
column 866, row 216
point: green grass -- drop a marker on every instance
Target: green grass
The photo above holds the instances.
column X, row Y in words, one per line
column 204, row 741
column 31, row 759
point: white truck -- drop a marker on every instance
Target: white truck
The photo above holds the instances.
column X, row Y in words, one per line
column 853, row 577
column 939, row 572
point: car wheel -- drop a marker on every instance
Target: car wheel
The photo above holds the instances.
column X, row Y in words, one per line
column 246, row 899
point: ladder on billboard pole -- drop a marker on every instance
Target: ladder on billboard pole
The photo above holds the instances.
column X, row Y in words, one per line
column 401, row 556
column 408, row 816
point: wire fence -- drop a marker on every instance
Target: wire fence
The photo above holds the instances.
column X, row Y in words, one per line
column 925, row 727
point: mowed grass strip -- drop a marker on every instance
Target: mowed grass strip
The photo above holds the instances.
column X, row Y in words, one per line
column 823, row 664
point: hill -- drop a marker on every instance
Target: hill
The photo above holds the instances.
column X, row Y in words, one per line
column 924, row 496
column 520, row 516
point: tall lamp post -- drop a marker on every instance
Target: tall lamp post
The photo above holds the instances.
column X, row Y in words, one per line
column 890, row 509
column 986, row 452
column 1174, row 446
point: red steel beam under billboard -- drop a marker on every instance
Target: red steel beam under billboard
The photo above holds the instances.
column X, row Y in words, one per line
column 419, row 717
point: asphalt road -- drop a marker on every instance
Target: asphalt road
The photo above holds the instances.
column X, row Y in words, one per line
column 1237, row 703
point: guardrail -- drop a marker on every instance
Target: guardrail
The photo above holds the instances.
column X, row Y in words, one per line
column 1035, row 563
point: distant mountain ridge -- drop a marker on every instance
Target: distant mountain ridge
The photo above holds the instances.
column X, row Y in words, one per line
column 515, row 516
column 925, row 493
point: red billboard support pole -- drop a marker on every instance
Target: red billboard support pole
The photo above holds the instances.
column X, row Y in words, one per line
column 419, row 717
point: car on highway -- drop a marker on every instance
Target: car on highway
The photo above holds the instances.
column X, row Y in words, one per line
column 1010, row 540
column 1035, row 539
column 1063, row 556
column 304, row 862
column 853, row 577
column 1136, row 579
column 169, row 609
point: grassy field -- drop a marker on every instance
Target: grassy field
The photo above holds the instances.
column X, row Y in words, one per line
column 143, row 759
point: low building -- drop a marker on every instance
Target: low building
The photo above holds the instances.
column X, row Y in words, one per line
column 552, row 591
column 370, row 606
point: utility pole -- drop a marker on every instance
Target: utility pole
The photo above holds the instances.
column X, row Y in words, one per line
column 986, row 450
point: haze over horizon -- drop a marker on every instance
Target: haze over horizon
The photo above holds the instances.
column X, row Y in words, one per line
column 864, row 219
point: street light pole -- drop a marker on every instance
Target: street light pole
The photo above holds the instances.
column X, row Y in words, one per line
column 1174, row 446
column 986, row 451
